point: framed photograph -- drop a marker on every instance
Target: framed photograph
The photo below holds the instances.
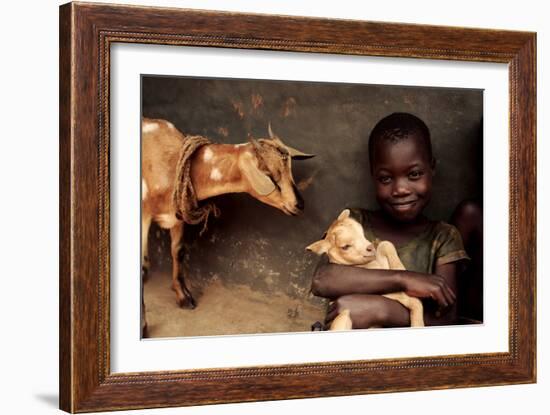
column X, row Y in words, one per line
column 235, row 189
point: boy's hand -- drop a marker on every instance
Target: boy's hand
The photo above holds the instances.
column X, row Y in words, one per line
column 429, row 286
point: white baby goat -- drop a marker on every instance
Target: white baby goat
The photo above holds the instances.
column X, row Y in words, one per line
column 345, row 244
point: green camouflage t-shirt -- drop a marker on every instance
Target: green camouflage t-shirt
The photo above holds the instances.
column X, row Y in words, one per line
column 440, row 243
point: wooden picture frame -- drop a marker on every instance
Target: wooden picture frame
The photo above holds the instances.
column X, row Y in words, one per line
column 86, row 33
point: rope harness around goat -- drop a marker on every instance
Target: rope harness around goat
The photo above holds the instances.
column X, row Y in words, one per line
column 184, row 196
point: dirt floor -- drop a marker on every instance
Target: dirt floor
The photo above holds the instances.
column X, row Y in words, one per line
column 224, row 309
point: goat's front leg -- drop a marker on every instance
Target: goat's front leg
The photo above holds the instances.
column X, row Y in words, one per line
column 386, row 253
column 183, row 295
column 145, row 225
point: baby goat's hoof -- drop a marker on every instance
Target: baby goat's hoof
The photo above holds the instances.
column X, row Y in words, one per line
column 317, row 326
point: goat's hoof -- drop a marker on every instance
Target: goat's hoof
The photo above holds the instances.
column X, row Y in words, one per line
column 191, row 303
column 187, row 303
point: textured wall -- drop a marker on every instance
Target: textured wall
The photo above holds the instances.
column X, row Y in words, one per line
column 259, row 246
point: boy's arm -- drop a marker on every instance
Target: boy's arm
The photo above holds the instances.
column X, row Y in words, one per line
column 375, row 310
column 333, row 281
column 447, row 315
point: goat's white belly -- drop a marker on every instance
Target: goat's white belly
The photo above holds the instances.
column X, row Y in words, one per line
column 166, row 220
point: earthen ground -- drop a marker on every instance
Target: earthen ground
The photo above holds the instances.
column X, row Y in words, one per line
column 224, row 309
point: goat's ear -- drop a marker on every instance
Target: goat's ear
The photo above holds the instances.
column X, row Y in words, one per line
column 259, row 181
column 319, row 247
column 344, row 215
column 297, row 154
column 294, row 154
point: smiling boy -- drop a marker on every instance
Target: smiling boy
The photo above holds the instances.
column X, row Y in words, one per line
column 402, row 168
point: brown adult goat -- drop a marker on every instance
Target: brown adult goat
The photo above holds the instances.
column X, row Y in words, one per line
column 261, row 168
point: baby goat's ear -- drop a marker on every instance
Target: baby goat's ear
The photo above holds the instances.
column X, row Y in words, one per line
column 319, row 247
column 344, row 215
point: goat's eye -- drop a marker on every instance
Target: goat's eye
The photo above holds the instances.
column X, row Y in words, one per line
column 275, row 183
column 346, row 247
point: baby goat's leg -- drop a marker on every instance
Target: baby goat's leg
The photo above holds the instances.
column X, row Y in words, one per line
column 387, row 251
column 342, row 321
column 413, row 304
column 183, row 294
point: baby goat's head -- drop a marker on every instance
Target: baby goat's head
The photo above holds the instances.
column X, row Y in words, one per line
column 345, row 242
column 268, row 169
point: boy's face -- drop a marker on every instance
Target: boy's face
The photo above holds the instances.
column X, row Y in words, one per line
column 402, row 174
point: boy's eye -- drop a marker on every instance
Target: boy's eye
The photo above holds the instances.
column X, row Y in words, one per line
column 416, row 174
column 384, row 179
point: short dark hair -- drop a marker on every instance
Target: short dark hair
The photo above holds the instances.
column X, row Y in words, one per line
column 400, row 126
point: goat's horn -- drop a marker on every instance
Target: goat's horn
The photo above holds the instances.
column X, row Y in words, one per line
column 297, row 154
column 274, row 136
column 270, row 131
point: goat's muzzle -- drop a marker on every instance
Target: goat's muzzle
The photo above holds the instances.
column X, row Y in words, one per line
column 299, row 198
